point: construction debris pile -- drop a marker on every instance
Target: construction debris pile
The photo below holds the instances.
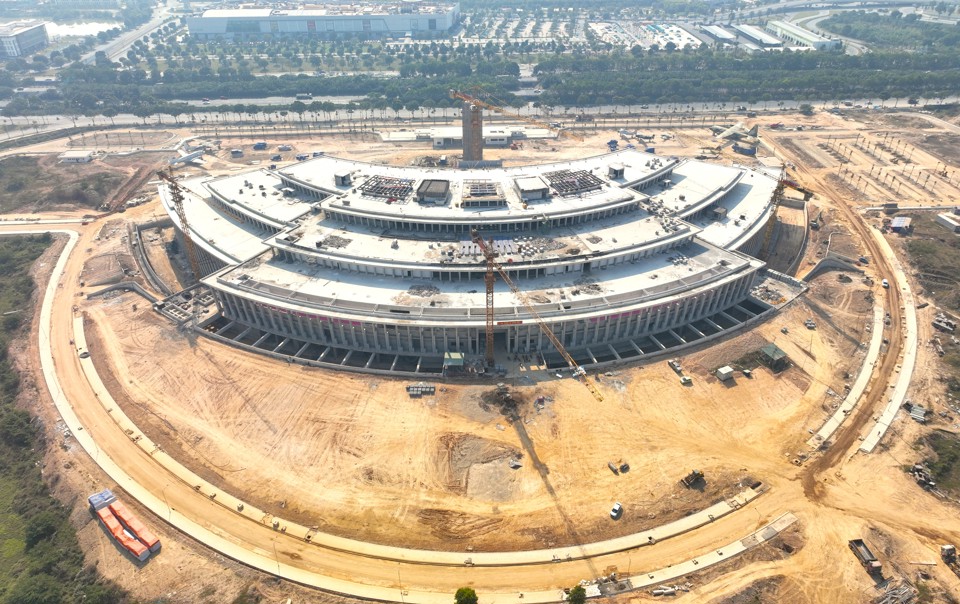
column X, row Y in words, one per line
column 423, row 290
column 768, row 294
column 897, row 593
column 541, row 244
column 670, row 590
column 917, row 412
column 943, row 323
column 922, row 476
column 334, row 241
column 585, row 285
column 505, row 401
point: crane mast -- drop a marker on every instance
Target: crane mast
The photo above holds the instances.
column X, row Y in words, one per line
column 489, row 255
column 176, row 196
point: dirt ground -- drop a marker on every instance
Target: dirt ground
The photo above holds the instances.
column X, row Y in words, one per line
column 344, row 465
column 355, row 456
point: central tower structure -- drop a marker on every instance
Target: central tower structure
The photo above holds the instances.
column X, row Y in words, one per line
column 472, row 116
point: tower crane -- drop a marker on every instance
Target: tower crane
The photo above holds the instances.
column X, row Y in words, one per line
column 490, row 255
column 176, row 196
column 457, row 94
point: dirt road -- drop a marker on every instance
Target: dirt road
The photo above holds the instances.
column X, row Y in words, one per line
column 837, row 496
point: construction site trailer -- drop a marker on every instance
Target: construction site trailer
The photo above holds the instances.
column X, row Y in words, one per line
column 101, row 500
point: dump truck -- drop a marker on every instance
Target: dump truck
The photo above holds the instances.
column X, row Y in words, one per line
column 949, row 555
column 865, row 556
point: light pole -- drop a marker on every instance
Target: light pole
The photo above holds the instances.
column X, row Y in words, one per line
column 163, row 492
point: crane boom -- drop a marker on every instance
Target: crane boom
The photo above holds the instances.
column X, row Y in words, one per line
column 490, row 256
column 457, row 94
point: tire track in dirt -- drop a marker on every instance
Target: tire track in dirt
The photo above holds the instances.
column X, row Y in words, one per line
column 854, row 423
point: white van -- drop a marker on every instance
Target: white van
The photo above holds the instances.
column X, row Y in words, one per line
column 885, row 284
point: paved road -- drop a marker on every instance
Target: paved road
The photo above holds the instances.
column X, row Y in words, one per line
column 118, row 47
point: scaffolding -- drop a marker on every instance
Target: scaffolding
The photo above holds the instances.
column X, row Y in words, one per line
column 387, row 187
column 566, row 182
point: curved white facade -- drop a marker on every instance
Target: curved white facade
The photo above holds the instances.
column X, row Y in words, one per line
column 619, row 254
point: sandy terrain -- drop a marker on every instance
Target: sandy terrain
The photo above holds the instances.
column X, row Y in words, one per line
column 355, row 456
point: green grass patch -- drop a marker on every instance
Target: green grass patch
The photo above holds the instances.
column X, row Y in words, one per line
column 34, row 182
column 935, row 252
column 40, row 559
column 944, row 463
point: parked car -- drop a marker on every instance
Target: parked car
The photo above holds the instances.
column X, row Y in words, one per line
column 616, row 511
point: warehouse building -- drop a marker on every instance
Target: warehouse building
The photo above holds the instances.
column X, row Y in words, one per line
column 757, row 35
column 719, row 34
column 329, row 21
column 951, row 221
column 801, row 36
column 373, row 267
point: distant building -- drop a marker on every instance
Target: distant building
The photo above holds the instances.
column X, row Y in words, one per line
column 22, row 38
column 76, row 157
column 758, row 36
column 424, row 19
column 719, row 34
column 105, row 4
column 950, row 221
column 901, row 224
column 804, row 37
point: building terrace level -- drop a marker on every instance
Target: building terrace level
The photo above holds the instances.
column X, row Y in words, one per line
column 329, row 258
column 450, row 256
column 567, row 192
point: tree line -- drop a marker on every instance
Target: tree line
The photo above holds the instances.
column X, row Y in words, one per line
column 569, row 80
column 894, row 30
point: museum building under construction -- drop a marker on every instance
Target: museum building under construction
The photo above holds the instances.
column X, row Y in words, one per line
column 373, row 267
